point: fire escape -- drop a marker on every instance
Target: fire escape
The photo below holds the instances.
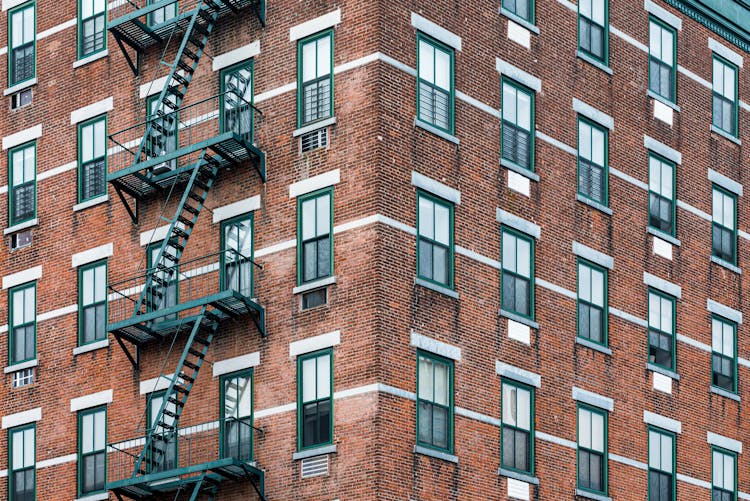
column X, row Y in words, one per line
column 172, row 298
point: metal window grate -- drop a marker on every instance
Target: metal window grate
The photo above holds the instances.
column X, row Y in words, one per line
column 314, row 140
column 314, row 467
column 23, row 377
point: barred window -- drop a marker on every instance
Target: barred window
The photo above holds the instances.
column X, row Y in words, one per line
column 592, row 161
column 92, row 162
column 92, row 36
column 435, row 83
column 315, row 100
column 518, row 125
column 23, row 183
column 22, row 44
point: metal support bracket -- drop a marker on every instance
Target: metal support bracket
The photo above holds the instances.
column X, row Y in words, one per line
column 134, row 65
column 135, row 361
column 132, row 212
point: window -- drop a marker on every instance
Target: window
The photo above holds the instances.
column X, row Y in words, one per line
column 92, row 442
column 592, row 302
column 22, row 198
column 724, row 234
column 724, row 475
column 435, row 240
column 661, row 461
column 237, row 416
column 315, row 236
column 518, row 125
column 22, row 323
column 435, row 81
column 22, row 44
column 518, row 273
column 163, row 137
column 661, row 206
column 162, row 14
column 315, row 94
column 662, row 60
column 592, row 161
column 521, row 8
column 725, row 96
column 92, row 313
column 434, row 401
column 237, row 255
column 22, row 463
column 92, row 36
column 518, row 427
column 92, row 159
column 315, row 390
column 661, row 320
column 593, row 29
column 161, row 296
column 237, row 100
column 161, row 457
column 724, row 354
column 592, row 449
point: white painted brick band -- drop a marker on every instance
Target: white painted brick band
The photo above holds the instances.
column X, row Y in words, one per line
column 91, row 111
column 23, row 136
column 236, row 209
column 236, row 56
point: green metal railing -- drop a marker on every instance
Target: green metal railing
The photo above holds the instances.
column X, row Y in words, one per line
column 165, row 12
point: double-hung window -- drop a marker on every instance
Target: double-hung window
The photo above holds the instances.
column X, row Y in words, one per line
column 724, row 229
column 661, row 327
column 662, row 61
column 22, row 323
column 160, row 295
column 434, row 401
column 724, row 354
column 92, row 159
column 162, row 14
column 435, row 240
column 22, row 35
column 237, row 415
column 315, row 87
column 92, row 314
column 518, row 427
column 92, row 35
column 435, row 93
column 592, row 449
column 661, row 465
column 593, row 29
column 162, row 455
column 92, row 442
column 163, row 137
column 22, row 198
column 22, row 449
column 237, row 100
column 520, row 8
column 237, row 255
column 517, row 281
column 661, row 204
column 315, row 236
column 724, row 96
column 592, row 161
column 592, row 302
column 724, row 475
column 518, row 125
column 315, row 402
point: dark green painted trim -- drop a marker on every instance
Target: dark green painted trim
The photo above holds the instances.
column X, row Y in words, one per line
column 300, row 83
column 532, row 397
column 11, row 327
column 11, row 431
column 81, row 306
column 532, row 281
column 81, row 126
column 673, row 436
column 674, row 327
column 30, row 4
column 11, row 221
column 605, row 300
column 300, row 359
column 451, row 404
column 532, row 120
column 300, row 200
column 81, row 414
column 730, row 20
column 452, row 101
column 451, row 246
column 605, row 458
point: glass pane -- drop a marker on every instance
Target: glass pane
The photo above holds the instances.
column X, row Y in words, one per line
column 28, row 25
column 718, row 76
column 524, row 409
column 654, row 175
column 441, row 384
column 728, row 219
column 29, row 304
column 28, row 447
column 17, row 450
column 584, row 140
column 18, row 308
column 440, row 264
column 598, row 11
column 442, row 70
column 654, row 39
column 245, row 404
column 425, row 378
column 29, row 160
column 728, row 472
column 717, row 206
column 442, row 224
column 426, row 218
column 718, row 473
column 524, row 258
column 308, row 380
column 308, row 219
column 100, row 283
column 99, row 139
column 597, row 432
column 666, row 453
column 584, row 282
column 509, row 252
column 729, row 83
column 323, row 215
column 87, row 431
column 509, row 405
column 585, row 7
column 17, row 28
column 426, row 62
column 87, row 279
column 308, row 62
column 87, row 140
column 524, row 110
column 584, row 428
column 324, row 376
column 597, row 146
column 716, row 335
column 666, row 181
column 666, row 44
column 324, row 56
column 654, row 448
column 666, row 316
column 728, row 345
column 597, row 287
column 17, row 166
column 509, row 103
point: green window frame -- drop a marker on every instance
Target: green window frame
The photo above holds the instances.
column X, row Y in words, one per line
column 237, row 114
column 662, row 59
column 170, row 459
column 315, row 236
column 315, row 78
column 435, row 83
column 92, row 303
column 166, row 138
column 661, row 330
column 662, row 465
column 161, row 297
column 593, row 161
column 661, row 194
column 435, row 243
column 517, row 276
column 162, row 14
column 315, row 399
column 434, row 402
column 237, row 268
column 22, row 42
column 723, row 354
column 524, row 9
column 593, row 29
column 593, row 302
column 724, row 225
column 92, row 27
column 517, row 135
column 22, row 175
column 92, row 455
column 723, row 475
column 236, row 415
column 517, row 435
column 22, row 463
column 92, row 159
column 724, row 96
column 22, row 322
column 592, row 449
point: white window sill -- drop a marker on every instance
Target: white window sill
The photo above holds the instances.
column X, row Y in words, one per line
column 314, row 126
column 522, row 477
column 91, row 203
column 519, row 170
column 19, row 367
column 21, row 86
column 426, row 451
column 663, row 371
column 21, row 226
column 726, row 265
column 593, row 345
column 101, row 496
column 726, row 135
column 91, row 58
column 663, row 100
column 440, row 133
column 324, row 282
column 592, row 495
column 318, row 451
column 593, row 203
column 519, row 318
column 725, row 393
column 519, row 20
column 606, row 69
column 664, row 236
column 78, row 350
column 435, row 287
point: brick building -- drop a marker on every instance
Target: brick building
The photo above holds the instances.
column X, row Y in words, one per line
column 451, row 250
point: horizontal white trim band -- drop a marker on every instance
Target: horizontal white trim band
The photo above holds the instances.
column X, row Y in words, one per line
column 92, row 400
column 236, row 364
column 315, row 25
column 315, row 183
column 434, row 346
column 236, row 209
column 91, row 111
column 314, row 343
column 22, row 137
column 22, row 277
column 91, row 255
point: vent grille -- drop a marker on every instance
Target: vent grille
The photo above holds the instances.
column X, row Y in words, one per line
column 23, row 377
column 314, row 467
column 314, row 140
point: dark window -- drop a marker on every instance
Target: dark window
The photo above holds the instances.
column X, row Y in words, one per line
column 724, row 473
column 93, row 159
column 92, row 448
column 660, row 466
column 316, row 78
column 592, row 28
column 724, row 354
column 592, row 161
column 521, row 8
column 518, row 125
column 92, row 35
column 661, row 330
column 592, row 303
column 518, row 422
column 661, row 61
column 22, row 463
column 315, row 236
column 724, row 238
column 22, row 323
column 315, row 380
column 435, row 240
column 434, row 402
column 592, row 450
column 22, row 44
column 23, row 183
column 92, row 319
column 517, row 274
column 435, row 82
column 725, row 96
column 661, row 195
